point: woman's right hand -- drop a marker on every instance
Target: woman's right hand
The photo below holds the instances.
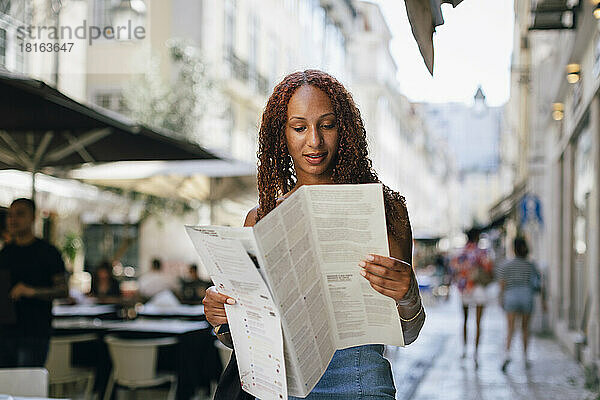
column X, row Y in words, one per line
column 214, row 306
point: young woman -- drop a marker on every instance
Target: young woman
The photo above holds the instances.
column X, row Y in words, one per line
column 517, row 279
column 473, row 270
column 312, row 133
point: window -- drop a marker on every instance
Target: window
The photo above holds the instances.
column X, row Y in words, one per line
column 583, row 183
column 229, row 38
column 2, row 47
column 253, row 44
column 274, row 55
column 112, row 101
column 5, row 7
column 122, row 104
column 102, row 241
column 103, row 100
column 103, row 12
column 20, row 56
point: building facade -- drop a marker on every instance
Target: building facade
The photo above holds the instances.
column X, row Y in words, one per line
column 472, row 135
column 244, row 52
column 404, row 153
column 556, row 110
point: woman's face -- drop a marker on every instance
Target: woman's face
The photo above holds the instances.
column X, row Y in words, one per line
column 312, row 135
column 103, row 274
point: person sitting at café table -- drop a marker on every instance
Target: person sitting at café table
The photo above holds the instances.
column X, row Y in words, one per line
column 104, row 285
column 4, row 235
column 37, row 276
column 155, row 281
column 193, row 289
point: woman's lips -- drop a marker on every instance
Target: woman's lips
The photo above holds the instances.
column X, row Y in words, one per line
column 315, row 159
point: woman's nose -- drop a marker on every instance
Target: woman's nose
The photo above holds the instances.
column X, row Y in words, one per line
column 314, row 137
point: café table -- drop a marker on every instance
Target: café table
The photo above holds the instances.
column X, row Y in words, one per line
column 194, row 358
column 8, row 397
column 84, row 310
column 181, row 311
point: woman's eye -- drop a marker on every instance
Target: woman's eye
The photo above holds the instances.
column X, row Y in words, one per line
column 299, row 129
column 328, row 126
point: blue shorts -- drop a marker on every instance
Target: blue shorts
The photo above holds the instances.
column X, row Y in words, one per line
column 519, row 300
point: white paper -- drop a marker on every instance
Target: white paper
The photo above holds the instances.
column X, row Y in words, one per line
column 254, row 320
column 349, row 224
column 308, row 249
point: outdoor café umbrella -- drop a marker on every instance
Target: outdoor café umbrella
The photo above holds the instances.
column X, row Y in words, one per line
column 40, row 127
column 186, row 180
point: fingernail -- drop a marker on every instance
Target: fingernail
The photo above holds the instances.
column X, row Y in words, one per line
column 362, row 264
column 370, row 257
column 230, row 301
column 363, row 272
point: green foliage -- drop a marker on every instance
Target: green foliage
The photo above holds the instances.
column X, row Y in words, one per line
column 71, row 245
column 181, row 105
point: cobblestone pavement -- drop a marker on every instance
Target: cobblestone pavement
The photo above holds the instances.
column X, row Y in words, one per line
column 432, row 368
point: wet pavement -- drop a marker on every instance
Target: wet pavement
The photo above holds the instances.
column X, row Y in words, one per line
column 432, row 368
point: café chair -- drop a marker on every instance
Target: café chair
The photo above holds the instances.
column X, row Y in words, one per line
column 60, row 369
column 224, row 352
column 24, row 382
column 134, row 364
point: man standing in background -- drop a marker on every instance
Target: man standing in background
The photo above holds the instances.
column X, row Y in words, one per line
column 37, row 276
column 4, row 236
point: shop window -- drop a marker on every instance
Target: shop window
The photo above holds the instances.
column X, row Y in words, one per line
column 106, row 241
column 230, row 22
column 2, row 47
column 583, row 181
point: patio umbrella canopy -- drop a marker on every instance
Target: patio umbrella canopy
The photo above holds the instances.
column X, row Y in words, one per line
column 193, row 179
column 41, row 127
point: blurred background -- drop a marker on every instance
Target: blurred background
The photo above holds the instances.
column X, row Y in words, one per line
column 123, row 136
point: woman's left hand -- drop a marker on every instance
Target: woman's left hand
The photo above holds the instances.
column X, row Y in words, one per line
column 387, row 275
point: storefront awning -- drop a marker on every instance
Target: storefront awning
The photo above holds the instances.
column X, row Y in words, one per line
column 554, row 14
column 507, row 205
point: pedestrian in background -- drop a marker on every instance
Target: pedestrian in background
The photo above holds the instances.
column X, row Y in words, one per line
column 473, row 271
column 519, row 281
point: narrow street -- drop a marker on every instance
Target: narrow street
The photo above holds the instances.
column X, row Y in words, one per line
column 431, row 368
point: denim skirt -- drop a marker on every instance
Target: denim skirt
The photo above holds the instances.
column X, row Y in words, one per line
column 356, row 373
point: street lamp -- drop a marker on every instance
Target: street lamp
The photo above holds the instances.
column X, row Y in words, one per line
column 573, row 71
column 558, row 111
column 596, row 11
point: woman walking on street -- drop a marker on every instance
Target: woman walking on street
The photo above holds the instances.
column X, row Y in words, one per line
column 473, row 271
column 312, row 133
column 519, row 279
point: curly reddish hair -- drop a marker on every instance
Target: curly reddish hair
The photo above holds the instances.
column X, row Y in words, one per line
column 276, row 175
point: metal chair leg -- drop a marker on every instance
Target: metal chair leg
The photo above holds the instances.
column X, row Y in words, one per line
column 173, row 389
column 89, row 388
column 109, row 386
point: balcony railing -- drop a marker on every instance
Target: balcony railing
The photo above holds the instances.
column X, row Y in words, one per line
column 243, row 72
column 239, row 68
